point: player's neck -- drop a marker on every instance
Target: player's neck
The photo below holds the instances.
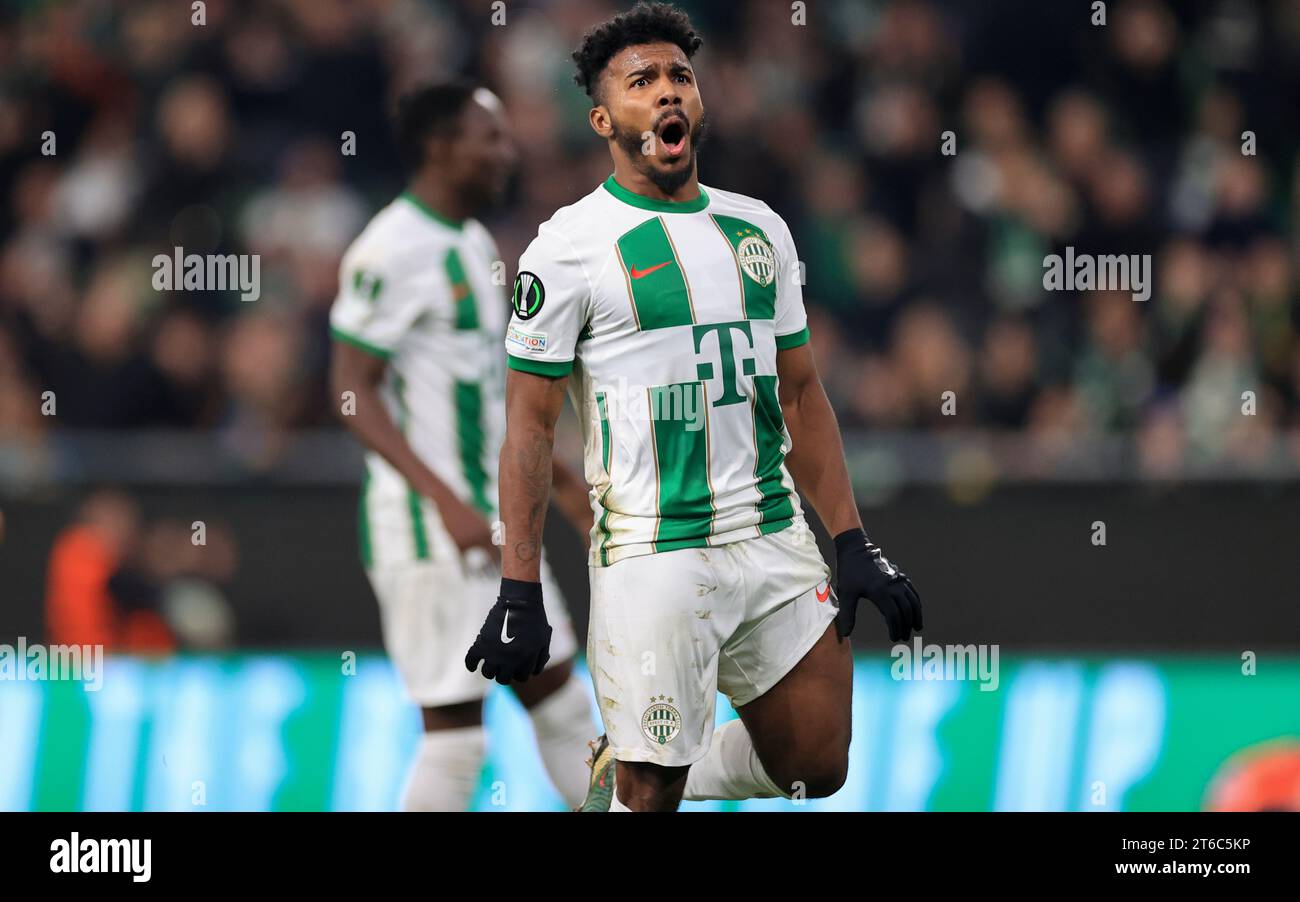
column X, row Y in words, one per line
column 637, row 182
column 440, row 198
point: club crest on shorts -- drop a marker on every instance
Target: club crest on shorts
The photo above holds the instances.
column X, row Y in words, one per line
column 757, row 260
column 661, row 722
column 528, row 295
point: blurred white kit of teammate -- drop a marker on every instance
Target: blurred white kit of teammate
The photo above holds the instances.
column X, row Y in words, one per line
column 416, row 289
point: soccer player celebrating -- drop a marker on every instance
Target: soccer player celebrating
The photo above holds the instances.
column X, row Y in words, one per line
column 419, row 371
column 674, row 314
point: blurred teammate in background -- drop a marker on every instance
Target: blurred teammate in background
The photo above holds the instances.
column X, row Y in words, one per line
column 704, row 574
column 418, row 370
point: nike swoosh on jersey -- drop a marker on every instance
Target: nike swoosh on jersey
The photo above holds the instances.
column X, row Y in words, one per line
column 505, row 626
column 826, row 595
column 639, row 273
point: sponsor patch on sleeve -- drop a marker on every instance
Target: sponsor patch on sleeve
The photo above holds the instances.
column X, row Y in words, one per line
column 526, row 341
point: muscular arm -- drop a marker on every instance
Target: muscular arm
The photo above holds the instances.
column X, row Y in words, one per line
column 354, row 370
column 533, row 405
column 817, row 464
column 817, row 459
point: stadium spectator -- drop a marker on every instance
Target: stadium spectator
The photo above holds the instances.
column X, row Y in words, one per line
column 93, row 595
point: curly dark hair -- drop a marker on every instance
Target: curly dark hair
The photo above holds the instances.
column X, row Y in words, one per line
column 645, row 23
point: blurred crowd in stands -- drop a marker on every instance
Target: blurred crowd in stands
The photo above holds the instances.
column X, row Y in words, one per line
column 924, row 270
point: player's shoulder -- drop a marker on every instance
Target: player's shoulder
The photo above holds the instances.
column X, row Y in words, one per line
column 588, row 215
column 400, row 237
column 733, row 203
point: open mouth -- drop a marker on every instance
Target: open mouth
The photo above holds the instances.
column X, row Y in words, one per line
column 672, row 136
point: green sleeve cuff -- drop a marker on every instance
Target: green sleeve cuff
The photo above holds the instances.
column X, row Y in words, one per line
column 540, row 367
column 340, row 335
column 793, row 340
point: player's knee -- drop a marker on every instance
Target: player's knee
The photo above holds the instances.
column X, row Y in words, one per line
column 649, row 787
column 818, row 775
column 827, row 779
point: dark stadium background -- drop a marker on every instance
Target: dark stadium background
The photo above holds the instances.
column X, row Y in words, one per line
column 923, row 276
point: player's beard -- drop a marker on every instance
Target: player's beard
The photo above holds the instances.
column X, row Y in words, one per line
column 667, row 181
column 483, row 196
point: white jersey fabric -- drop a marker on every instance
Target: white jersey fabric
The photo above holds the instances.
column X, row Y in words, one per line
column 667, row 316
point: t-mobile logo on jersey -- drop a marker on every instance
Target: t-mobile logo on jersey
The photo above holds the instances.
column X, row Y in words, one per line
column 685, row 402
column 704, row 371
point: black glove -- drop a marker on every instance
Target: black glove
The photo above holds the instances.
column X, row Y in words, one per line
column 863, row 572
column 515, row 641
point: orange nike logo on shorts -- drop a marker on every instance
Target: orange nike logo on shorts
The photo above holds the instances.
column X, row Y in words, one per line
column 822, row 596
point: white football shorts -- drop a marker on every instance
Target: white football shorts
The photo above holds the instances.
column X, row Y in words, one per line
column 670, row 630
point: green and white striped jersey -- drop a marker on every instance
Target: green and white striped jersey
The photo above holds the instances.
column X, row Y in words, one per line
column 668, row 318
column 416, row 289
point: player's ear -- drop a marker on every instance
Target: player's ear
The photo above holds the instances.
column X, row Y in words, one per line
column 600, row 121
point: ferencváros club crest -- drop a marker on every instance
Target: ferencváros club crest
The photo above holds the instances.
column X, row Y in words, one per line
column 757, row 260
column 661, row 722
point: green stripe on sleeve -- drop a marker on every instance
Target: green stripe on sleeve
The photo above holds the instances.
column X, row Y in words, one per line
column 552, row 368
column 793, row 340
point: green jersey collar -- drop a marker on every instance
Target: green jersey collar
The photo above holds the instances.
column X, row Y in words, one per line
column 658, row 206
column 431, row 212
